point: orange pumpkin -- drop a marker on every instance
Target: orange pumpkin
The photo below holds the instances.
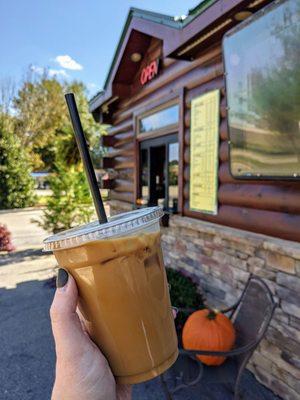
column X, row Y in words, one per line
column 208, row 330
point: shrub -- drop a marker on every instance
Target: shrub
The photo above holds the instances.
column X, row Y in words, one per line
column 17, row 186
column 5, row 239
column 184, row 294
column 70, row 204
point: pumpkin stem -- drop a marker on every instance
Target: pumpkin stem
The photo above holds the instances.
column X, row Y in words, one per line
column 211, row 314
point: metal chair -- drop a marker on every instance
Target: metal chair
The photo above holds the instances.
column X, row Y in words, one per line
column 251, row 316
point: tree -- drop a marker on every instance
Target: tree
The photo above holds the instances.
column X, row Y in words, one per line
column 70, row 203
column 43, row 123
column 16, row 188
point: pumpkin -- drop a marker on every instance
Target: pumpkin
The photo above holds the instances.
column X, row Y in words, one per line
column 208, row 330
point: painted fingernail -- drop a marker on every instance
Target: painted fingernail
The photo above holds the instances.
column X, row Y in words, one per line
column 62, row 278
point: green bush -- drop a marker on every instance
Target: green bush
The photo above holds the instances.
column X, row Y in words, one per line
column 184, row 293
column 70, row 204
column 16, row 184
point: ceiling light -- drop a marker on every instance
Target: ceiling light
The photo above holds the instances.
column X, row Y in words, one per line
column 240, row 16
column 136, row 57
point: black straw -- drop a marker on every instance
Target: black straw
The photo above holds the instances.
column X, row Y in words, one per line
column 85, row 156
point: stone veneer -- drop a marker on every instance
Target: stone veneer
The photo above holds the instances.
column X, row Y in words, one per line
column 220, row 259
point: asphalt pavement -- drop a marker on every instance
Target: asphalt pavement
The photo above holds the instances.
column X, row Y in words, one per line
column 27, row 357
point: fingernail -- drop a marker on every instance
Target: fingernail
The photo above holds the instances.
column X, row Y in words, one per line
column 62, row 278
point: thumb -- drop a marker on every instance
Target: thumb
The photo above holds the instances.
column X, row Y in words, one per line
column 66, row 327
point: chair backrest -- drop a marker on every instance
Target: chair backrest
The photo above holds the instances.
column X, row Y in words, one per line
column 253, row 315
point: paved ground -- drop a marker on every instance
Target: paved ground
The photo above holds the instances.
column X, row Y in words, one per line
column 26, row 346
column 18, row 222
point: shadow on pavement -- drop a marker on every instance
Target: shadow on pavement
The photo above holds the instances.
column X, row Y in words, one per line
column 251, row 389
column 27, row 355
column 21, row 255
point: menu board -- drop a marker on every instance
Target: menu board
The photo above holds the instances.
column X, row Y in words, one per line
column 205, row 116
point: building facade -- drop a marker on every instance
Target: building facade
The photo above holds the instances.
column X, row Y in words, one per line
column 204, row 115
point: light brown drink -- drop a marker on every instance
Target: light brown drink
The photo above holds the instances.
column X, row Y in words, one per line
column 125, row 297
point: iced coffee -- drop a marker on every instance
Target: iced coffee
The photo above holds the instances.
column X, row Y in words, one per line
column 124, row 296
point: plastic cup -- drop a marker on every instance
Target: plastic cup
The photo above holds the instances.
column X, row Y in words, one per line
column 123, row 292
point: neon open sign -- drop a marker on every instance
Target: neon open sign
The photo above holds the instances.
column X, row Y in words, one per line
column 149, row 72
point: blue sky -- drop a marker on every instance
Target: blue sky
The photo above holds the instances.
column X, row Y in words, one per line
column 72, row 38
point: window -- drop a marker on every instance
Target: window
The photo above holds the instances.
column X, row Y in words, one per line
column 262, row 65
column 160, row 119
column 159, row 172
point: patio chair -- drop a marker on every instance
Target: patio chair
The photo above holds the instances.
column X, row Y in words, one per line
column 251, row 316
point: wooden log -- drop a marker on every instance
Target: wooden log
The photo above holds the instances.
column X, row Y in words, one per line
column 122, row 196
column 124, row 138
column 194, row 79
column 123, row 185
column 175, row 71
column 223, row 111
column 123, row 163
column 223, row 129
column 283, row 225
column 187, row 137
column 186, row 173
column 166, row 84
column 224, row 151
column 187, row 119
column 125, row 174
column 226, row 177
column 214, row 84
column 271, row 197
column 187, row 155
column 123, row 151
column 120, row 128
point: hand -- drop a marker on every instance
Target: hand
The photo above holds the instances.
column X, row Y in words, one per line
column 82, row 372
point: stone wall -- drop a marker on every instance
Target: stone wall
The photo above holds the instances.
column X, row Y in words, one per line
column 220, row 260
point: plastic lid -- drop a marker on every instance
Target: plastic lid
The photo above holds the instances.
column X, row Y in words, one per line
column 117, row 225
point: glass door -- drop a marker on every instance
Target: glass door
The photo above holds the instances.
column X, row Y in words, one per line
column 159, row 172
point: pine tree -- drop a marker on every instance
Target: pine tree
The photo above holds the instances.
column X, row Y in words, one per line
column 16, row 184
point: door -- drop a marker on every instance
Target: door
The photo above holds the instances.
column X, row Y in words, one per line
column 159, row 172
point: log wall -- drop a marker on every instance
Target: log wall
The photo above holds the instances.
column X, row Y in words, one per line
column 268, row 207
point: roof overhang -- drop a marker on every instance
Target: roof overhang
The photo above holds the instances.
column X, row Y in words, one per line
column 138, row 22
column 181, row 39
column 211, row 21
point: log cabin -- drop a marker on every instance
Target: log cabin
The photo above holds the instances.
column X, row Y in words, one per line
column 204, row 116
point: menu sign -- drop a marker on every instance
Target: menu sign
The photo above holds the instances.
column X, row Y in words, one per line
column 205, row 117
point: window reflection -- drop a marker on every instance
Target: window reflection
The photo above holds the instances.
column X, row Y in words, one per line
column 144, row 176
column 160, row 119
column 263, row 87
column 173, row 169
column 159, row 159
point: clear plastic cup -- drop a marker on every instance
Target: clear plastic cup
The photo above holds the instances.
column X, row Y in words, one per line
column 123, row 291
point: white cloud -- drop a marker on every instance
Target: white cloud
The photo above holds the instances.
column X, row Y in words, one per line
column 49, row 71
column 67, row 62
column 57, row 72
